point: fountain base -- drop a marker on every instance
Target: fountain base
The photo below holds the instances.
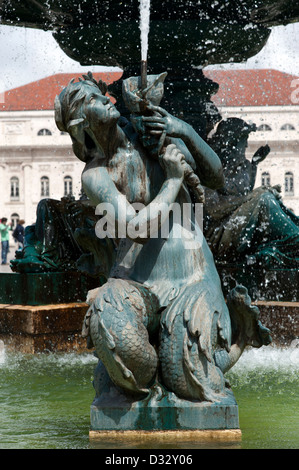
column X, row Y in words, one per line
column 162, row 412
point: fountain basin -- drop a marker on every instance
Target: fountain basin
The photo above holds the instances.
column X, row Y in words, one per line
column 56, row 393
column 57, row 327
column 35, row 329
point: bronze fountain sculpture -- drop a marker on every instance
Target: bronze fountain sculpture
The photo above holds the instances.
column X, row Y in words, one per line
column 160, row 325
column 163, row 332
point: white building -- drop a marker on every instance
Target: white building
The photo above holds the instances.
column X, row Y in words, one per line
column 269, row 99
column 36, row 159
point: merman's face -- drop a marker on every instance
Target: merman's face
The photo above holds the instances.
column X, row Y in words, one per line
column 99, row 110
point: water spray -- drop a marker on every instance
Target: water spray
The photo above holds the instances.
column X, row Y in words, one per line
column 144, row 6
column 143, row 75
column 191, row 177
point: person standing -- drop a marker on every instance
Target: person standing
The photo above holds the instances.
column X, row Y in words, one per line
column 4, row 230
column 18, row 234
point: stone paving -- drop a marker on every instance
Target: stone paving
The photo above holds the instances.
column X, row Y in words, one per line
column 12, row 249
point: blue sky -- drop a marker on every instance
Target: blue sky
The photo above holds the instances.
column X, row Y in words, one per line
column 27, row 55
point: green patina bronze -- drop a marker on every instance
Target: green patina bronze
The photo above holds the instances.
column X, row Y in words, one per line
column 160, row 325
column 246, row 225
column 45, row 288
column 63, row 240
column 107, row 32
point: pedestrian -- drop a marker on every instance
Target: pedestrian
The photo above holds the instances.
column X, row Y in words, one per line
column 18, row 234
column 4, row 230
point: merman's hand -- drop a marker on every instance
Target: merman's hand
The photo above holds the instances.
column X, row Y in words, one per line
column 162, row 121
column 171, row 161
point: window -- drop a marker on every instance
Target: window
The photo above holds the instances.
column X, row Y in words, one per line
column 264, row 127
column 68, row 186
column 14, row 188
column 63, row 133
column 45, row 186
column 289, row 183
column 266, row 180
column 44, row 132
column 287, row 127
column 14, row 220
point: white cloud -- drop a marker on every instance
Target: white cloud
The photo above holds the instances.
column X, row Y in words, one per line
column 29, row 54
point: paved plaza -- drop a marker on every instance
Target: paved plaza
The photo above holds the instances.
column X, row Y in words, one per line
column 11, row 255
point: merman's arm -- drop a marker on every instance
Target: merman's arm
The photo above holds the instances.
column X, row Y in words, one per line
column 209, row 166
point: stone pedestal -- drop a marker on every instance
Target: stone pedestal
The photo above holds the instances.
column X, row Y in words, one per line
column 113, row 414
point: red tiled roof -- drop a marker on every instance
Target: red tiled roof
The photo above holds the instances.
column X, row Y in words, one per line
column 256, row 87
column 40, row 95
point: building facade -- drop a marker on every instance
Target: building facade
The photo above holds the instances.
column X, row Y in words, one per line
column 36, row 159
column 279, row 128
column 269, row 99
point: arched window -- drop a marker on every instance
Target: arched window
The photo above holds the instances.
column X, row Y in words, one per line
column 68, row 186
column 44, row 132
column 264, row 127
column 14, row 220
column 45, row 186
column 14, row 188
column 289, row 183
column 266, row 180
column 287, row 127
